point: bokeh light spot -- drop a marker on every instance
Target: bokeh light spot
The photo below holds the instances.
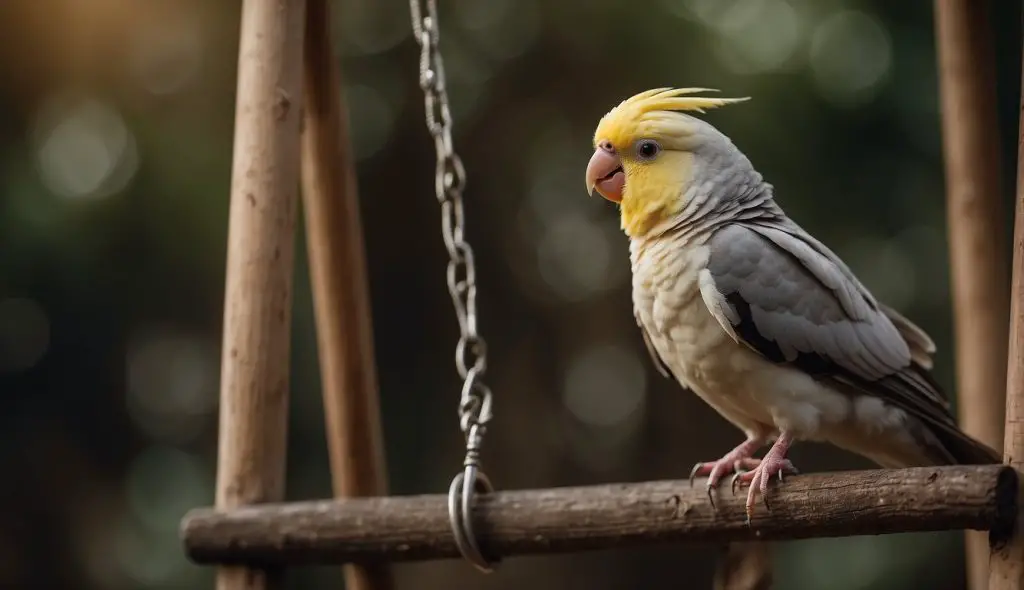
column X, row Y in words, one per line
column 604, row 386
column 171, row 384
column 166, row 59
column 573, row 256
column 762, row 37
column 163, row 483
column 84, row 149
column 850, row 57
column 151, row 560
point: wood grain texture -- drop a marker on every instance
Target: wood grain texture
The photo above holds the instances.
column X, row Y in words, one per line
column 975, row 214
column 561, row 520
column 341, row 298
column 260, row 252
column 1006, row 565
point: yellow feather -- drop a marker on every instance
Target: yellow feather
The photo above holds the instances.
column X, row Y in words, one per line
column 652, row 192
column 637, row 114
column 653, row 189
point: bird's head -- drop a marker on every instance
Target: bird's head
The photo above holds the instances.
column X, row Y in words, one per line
column 648, row 152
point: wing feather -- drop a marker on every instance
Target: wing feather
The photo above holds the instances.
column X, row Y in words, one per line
column 793, row 302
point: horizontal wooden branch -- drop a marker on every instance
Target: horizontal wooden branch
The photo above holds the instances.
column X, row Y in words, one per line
column 607, row 516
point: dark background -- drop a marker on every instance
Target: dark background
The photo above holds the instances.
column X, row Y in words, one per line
column 115, row 149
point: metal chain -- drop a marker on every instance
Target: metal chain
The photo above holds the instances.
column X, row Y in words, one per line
column 471, row 351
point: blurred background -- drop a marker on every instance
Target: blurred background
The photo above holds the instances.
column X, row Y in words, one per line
column 115, row 150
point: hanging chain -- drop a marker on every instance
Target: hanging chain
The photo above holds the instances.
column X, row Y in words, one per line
column 471, row 350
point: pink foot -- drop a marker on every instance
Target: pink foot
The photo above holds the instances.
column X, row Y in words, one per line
column 734, row 461
column 773, row 464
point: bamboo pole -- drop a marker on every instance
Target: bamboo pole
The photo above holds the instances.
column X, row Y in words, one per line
column 341, row 297
column 1006, row 568
column 560, row 520
column 258, row 293
column 975, row 219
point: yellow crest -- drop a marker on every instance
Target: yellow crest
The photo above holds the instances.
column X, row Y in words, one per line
column 637, row 114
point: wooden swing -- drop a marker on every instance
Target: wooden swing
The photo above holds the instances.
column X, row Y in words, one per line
column 251, row 534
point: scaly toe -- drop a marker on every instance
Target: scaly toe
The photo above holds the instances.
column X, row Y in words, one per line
column 760, row 480
column 755, row 487
column 764, row 492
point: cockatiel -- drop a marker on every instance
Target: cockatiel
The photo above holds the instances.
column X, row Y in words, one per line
column 762, row 321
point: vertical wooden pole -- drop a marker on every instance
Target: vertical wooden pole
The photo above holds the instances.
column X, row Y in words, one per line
column 258, row 293
column 745, row 566
column 341, row 297
column 976, row 240
column 1007, row 563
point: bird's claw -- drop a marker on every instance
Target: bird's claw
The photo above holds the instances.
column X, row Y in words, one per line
column 733, row 462
column 758, row 479
column 694, row 471
column 792, row 471
column 734, row 481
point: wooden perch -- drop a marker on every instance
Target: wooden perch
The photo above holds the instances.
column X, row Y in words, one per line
column 608, row 516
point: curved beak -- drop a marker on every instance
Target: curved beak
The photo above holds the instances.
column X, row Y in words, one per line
column 605, row 174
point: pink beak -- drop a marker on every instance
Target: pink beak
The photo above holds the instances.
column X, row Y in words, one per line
column 604, row 173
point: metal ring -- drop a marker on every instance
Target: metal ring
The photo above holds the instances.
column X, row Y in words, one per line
column 465, row 484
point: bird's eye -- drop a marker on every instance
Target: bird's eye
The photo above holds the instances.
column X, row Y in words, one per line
column 647, row 149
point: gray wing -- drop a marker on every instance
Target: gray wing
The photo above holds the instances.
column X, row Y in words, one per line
column 787, row 297
column 921, row 346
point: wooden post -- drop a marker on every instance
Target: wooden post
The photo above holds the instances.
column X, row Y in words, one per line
column 745, row 566
column 1007, row 563
column 257, row 297
column 976, row 241
column 340, row 293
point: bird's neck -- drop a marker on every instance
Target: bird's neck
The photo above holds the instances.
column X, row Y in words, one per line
column 644, row 211
column 706, row 210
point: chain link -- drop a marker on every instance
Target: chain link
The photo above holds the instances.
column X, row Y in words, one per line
column 471, row 351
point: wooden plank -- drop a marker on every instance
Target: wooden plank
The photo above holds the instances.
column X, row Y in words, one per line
column 341, row 298
column 375, row 530
column 976, row 239
column 258, row 291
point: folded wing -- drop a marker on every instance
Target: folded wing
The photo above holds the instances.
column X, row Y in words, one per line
column 787, row 297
